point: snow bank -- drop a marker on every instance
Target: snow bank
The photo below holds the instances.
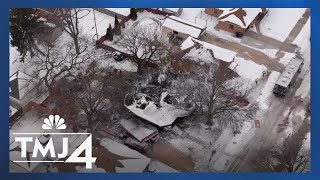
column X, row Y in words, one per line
column 267, row 90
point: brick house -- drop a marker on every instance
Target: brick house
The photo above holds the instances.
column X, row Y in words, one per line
column 236, row 20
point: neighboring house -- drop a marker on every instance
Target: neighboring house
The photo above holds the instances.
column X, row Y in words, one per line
column 173, row 11
column 120, row 12
column 176, row 27
column 217, row 52
column 52, row 15
column 22, row 90
column 19, row 84
column 236, row 20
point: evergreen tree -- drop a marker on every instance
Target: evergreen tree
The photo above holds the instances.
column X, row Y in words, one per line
column 116, row 21
column 133, row 14
column 23, row 29
column 109, row 33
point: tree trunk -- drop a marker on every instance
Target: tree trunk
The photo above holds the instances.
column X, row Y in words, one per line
column 76, row 45
column 140, row 70
column 90, row 120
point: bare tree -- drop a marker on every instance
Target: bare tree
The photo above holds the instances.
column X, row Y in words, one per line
column 70, row 24
column 56, row 61
column 144, row 44
column 96, row 91
column 286, row 157
column 213, row 97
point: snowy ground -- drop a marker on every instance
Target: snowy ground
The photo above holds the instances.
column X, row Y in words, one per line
column 279, row 22
column 88, row 23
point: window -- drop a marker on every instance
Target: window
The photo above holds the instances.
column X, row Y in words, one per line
column 231, row 26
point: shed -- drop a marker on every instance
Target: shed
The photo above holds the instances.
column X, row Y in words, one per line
column 175, row 26
column 175, row 11
column 138, row 130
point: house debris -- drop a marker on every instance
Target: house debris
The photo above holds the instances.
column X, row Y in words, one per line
column 161, row 114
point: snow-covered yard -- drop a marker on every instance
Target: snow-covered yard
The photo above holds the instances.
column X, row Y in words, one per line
column 88, row 26
column 279, row 22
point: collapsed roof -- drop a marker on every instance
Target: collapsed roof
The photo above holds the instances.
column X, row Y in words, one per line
column 162, row 115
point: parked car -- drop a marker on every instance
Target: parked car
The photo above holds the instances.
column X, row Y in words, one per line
column 136, row 145
column 118, row 56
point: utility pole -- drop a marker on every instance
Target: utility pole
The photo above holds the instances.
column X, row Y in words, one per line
column 95, row 24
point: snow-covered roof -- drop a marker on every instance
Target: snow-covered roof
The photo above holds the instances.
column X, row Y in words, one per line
column 183, row 26
column 137, row 130
column 289, row 72
column 219, row 53
column 161, row 116
column 122, row 11
column 172, row 9
column 23, row 81
column 238, row 17
column 133, row 161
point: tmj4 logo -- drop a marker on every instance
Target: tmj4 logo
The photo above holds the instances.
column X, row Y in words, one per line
column 55, row 122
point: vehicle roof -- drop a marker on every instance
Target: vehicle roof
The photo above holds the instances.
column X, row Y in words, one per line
column 289, row 72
